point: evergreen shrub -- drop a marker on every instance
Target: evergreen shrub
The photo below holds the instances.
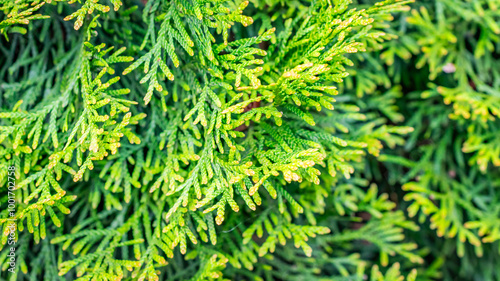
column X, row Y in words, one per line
column 250, row 140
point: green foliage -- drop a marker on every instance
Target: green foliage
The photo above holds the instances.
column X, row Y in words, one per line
column 250, row 140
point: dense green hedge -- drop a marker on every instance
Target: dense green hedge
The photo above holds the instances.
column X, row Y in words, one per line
column 250, row 140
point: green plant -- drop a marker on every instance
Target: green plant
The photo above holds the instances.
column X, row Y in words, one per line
column 199, row 140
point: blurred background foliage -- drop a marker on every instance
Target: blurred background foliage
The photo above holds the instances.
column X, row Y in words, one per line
column 441, row 77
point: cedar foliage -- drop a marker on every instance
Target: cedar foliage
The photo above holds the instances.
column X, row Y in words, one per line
column 251, row 140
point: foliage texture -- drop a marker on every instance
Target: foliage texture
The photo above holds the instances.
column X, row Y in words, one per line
column 250, row 140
